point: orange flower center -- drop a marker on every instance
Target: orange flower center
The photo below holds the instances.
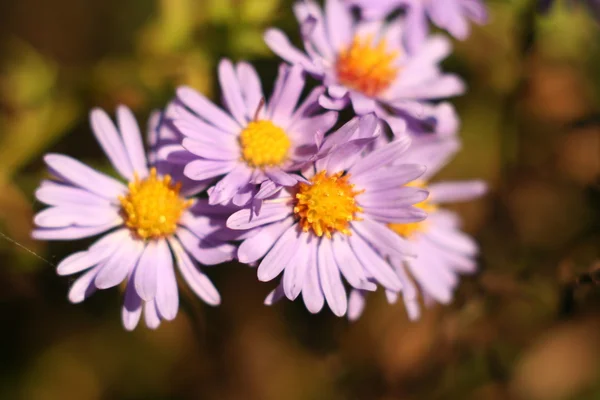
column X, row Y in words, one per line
column 327, row 204
column 366, row 66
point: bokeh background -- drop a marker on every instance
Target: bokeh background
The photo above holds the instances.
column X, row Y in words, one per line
column 526, row 327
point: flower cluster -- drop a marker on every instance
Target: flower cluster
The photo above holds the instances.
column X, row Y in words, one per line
column 337, row 208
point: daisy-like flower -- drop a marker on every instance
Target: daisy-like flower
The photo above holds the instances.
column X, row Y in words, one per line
column 149, row 225
column 451, row 15
column 253, row 142
column 442, row 250
column 336, row 223
column 365, row 63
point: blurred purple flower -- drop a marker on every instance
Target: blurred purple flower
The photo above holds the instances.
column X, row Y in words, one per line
column 365, row 64
column 335, row 223
column 442, row 250
column 251, row 143
column 149, row 225
column 451, row 15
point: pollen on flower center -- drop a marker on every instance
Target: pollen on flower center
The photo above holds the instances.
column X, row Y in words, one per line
column 366, row 66
column 152, row 207
column 327, row 204
column 264, row 144
column 409, row 229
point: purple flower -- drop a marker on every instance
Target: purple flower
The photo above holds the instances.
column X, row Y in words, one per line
column 252, row 142
column 442, row 250
column 451, row 15
column 335, row 223
column 149, row 226
column 365, row 63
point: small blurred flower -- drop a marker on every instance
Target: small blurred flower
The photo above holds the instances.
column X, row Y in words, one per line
column 149, row 225
column 442, row 250
column 365, row 64
column 335, row 223
column 451, row 15
column 254, row 142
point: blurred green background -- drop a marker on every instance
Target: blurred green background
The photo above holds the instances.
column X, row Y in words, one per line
column 526, row 327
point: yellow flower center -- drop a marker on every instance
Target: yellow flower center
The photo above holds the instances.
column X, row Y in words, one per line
column 327, row 204
column 409, row 229
column 264, row 144
column 367, row 67
column 153, row 207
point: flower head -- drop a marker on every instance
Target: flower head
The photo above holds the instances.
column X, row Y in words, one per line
column 149, row 226
column 335, row 221
column 442, row 250
column 365, row 63
column 252, row 141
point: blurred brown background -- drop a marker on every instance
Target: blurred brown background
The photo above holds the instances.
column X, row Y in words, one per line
column 526, row 327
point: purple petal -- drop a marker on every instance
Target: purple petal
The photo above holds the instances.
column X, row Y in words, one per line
column 310, row 105
column 339, row 24
column 84, row 286
column 145, row 277
column 421, row 269
column 281, row 177
column 231, row 183
column 381, row 157
column 132, row 139
column 167, row 296
column 267, row 189
column 120, row 263
column 356, row 304
column 151, row 315
column 197, row 281
column 250, row 86
column 211, row 148
column 203, row 250
column 383, row 238
column 388, row 178
column 81, row 175
column 56, row 194
column 396, row 216
column 280, row 45
column 401, row 197
column 331, row 281
column 60, row 217
column 232, row 93
column 347, row 262
column 255, row 247
column 295, row 273
column 450, row 192
column 283, row 108
column 132, row 307
column 374, row 264
column 270, row 212
column 311, row 291
column 200, row 170
column 206, row 109
column 317, row 37
column 71, row 232
column 333, row 104
column 453, row 240
column 304, row 129
column 111, row 142
column 278, row 257
column 362, row 104
column 244, row 195
column 274, row 295
column 98, row 252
